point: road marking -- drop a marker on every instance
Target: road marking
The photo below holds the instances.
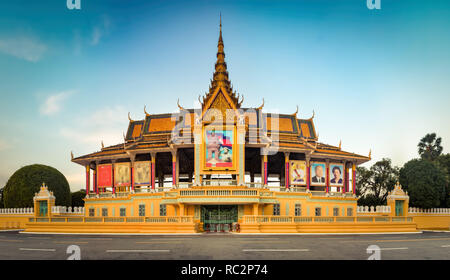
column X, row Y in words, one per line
column 265, row 242
column 386, row 249
column 397, row 240
column 70, row 242
column 177, row 239
column 275, row 250
column 35, row 249
column 444, row 246
column 157, row 242
column 137, row 251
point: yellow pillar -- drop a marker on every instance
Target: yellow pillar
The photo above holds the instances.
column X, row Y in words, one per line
column 182, row 209
column 255, row 209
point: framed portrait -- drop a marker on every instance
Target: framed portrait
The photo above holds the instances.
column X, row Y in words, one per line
column 336, row 174
column 297, row 172
column 104, row 175
column 218, row 151
column 141, row 173
column 122, row 176
column 318, row 171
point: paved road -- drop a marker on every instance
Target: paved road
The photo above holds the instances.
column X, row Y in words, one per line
column 423, row 246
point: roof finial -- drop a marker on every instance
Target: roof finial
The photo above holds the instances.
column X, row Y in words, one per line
column 179, row 106
column 296, row 111
column 220, row 22
column 262, row 105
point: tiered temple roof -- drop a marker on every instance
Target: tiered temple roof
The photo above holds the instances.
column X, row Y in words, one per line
column 156, row 132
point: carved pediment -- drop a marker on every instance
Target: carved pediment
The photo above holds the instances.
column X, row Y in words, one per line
column 220, row 109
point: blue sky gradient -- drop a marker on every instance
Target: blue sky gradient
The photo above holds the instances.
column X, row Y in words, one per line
column 377, row 79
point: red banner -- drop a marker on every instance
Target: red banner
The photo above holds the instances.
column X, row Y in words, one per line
column 104, row 174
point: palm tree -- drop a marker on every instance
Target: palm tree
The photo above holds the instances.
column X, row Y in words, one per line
column 430, row 147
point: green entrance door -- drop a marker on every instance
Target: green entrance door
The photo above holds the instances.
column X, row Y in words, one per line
column 219, row 218
column 399, row 208
column 43, row 208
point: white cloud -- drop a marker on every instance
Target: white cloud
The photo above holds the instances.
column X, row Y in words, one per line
column 100, row 30
column 53, row 103
column 105, row 125
column 23, row 47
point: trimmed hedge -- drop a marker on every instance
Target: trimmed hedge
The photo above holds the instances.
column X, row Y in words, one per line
column 25, row 182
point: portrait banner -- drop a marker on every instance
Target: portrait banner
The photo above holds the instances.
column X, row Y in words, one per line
column 142, row 172
column 122, row 172
column 219, row 148
column 336, row 174
column 318, row 170
column 104, row 175
column 297, row 172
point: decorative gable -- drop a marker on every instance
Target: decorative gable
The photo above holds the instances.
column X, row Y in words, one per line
column 220, row 107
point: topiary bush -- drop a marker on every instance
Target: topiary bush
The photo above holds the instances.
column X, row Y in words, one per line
column 25, row 182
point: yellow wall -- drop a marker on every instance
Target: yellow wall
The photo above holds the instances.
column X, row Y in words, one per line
column 287, row 201
column 14, row 221
column 131, row 204
column 432, row 221
column 309, row 204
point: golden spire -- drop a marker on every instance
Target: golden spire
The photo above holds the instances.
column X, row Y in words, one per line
column 220, row 36
column 220, row 76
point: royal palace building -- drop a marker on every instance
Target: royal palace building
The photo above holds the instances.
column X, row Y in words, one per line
column 219, row 164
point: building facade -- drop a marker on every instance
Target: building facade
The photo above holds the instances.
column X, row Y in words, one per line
column 219, row 164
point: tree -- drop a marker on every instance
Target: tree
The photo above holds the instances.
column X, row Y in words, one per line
column 77, row 198
column 25, row 182
column 443, row 162
column 363, row 176
column 425, row 183
column 1, row 198
column 369, row 200
column 430, row 147
column 373, row 185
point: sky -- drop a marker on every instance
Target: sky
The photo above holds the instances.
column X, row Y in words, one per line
column 377, row 79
